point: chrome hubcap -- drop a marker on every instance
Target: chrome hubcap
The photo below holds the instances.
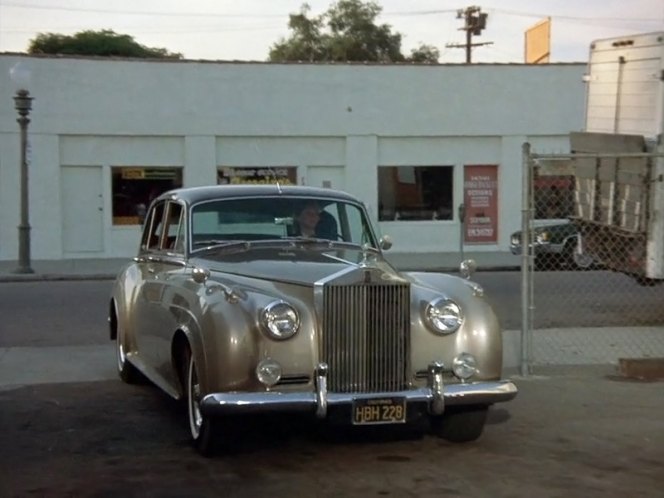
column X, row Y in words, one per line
column 194, row 391
column 119, row 347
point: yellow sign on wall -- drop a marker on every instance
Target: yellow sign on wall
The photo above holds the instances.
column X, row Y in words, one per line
column 133, row 173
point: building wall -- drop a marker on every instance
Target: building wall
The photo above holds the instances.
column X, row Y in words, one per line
column 335, row 123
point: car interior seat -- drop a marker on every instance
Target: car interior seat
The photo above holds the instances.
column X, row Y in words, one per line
column 327, row 227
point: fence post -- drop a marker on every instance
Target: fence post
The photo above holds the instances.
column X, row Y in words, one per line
column 462, row 228
column 526, row 294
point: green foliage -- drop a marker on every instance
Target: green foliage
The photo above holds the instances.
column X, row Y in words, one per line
column 425, row 53
column 346, row 32
column 105, row 43
column 305, row 42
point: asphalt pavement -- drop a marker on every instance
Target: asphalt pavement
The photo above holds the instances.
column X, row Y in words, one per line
column 64, row 363
column 573, row 433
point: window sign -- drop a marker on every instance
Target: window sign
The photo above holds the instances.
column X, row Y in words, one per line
column 480, row 197
column 284, row 175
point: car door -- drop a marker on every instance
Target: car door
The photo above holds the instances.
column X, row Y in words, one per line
column 165, row 287
column 149, row 289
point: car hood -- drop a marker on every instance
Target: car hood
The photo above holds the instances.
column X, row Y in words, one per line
column 291, row 265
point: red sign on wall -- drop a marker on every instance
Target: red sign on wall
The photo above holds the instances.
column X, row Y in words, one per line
column 480, row 198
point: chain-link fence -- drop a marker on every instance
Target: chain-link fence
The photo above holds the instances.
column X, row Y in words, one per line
column 593, row 277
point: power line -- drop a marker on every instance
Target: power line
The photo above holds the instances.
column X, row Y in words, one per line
column 575, row 18
column 391, row 14
column 134, row 12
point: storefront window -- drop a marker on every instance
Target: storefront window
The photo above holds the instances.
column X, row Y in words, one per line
column 411, row 193
column 284, row 175
column 134, row 189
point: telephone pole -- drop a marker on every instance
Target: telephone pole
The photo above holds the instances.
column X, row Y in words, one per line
column 475, row 22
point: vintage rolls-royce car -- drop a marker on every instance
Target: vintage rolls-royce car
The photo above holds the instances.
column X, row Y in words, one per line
column 275, row 299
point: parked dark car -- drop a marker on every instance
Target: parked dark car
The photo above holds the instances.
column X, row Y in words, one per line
column 270, row 299
column 555, row 244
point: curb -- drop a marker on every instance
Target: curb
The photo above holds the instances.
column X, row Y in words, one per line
column 46, row 277
column 42, row 277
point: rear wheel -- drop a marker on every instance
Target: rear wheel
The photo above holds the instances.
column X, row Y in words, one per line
column 646, row 282
column 460, row 424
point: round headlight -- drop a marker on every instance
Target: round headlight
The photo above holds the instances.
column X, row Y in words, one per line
column 443, row 316
column 280, row 320
column 464, row 366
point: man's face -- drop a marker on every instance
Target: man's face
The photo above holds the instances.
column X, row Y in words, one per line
column 309, row 217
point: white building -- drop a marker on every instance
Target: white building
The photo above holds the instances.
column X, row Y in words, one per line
column 105, row 133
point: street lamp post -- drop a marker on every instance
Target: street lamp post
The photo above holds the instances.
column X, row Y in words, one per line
column 23, row 104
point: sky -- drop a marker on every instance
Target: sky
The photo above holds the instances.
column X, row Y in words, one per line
column 246, row 29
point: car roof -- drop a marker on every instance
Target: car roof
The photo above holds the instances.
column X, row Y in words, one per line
column 193, row 195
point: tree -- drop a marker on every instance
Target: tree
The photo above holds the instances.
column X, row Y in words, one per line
column 305, row 42
column 425, row 53
column 105, row 43
column 346, row 32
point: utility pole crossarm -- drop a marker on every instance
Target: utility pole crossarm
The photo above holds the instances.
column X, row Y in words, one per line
column 463, row 45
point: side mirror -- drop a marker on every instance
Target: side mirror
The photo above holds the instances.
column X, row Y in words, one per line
column 468, row 267
column 385, row 242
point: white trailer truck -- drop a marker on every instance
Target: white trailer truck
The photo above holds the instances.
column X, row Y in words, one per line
column 619, row 168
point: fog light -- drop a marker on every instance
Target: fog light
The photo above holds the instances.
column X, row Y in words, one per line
column 268, row 372
column 464, row 366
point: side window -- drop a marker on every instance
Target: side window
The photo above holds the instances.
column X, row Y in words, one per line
column 152, row 228
column 356, row 226
column 173, row 240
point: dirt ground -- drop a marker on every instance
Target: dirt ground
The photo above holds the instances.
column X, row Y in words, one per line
column 578, row 432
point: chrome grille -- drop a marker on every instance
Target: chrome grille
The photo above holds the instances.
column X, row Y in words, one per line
column 366, row 337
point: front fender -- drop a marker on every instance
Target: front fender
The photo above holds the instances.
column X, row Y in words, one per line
column 480, row 334
column 234, row 342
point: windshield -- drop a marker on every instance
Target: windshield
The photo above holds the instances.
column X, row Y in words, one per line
column 269, row 218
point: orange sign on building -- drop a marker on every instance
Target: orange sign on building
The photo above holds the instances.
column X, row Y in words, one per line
column 538, row 43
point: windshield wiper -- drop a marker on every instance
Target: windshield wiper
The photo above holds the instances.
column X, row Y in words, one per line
column 328, row 243
column 219, row 245
column 210, row 242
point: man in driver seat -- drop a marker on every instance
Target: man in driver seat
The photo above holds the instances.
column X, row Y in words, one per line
column 307, row 219
column 312, row 222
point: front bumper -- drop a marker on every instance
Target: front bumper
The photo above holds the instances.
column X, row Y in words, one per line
column 436, row 396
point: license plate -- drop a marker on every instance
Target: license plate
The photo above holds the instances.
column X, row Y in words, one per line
column 379, row 411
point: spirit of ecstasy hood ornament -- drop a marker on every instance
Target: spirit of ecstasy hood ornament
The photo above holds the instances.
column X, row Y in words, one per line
column 365, row 255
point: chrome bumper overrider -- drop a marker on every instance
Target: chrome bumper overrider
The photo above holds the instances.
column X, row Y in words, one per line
column 436, row 395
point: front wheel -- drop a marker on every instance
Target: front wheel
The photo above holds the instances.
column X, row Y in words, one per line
column 209, row 434
column 202, row 428
column 127, row 372
column 460, row 424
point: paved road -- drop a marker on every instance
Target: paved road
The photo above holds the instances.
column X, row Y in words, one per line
column 54, row 313
column 565, row 299
column 58, row 313
column 578, row 433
